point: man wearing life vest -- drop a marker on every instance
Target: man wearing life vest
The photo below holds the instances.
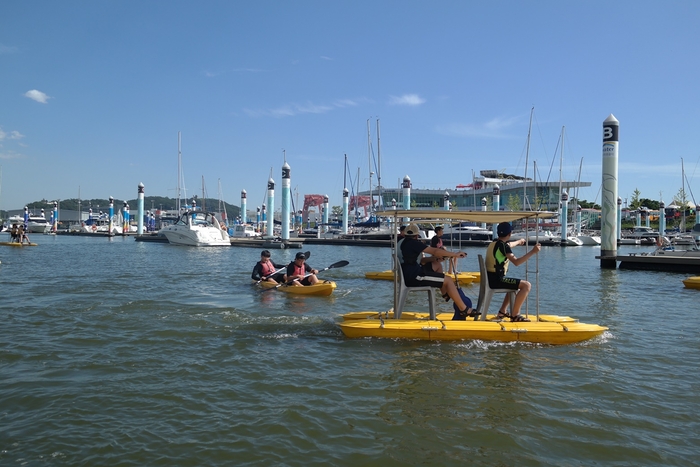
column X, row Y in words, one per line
column 266, row 269
column 498, row 255
column 300, row 272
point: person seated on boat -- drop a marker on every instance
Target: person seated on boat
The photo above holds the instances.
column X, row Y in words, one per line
column 498, row 256
column 266, row 269
column 22, row 234
column 402, row 234
column 301, row 273
column 14, row 234
column 436, row 242
column 418, row 272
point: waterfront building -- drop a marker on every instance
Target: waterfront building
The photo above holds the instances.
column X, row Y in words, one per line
column 540, row 195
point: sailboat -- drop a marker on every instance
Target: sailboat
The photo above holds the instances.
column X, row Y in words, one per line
column 569, row 239
column 195, row 228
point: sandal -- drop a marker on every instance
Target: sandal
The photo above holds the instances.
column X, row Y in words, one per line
column 501, row 316
column 461, row 315
column 472, row 313
column 519, row 319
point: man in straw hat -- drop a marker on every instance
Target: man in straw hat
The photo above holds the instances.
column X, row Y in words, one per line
column 418, row 271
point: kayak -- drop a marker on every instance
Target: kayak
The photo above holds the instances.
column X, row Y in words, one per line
column 322, row 289
column 464, row 278
column 17, row 244
column 692, row 282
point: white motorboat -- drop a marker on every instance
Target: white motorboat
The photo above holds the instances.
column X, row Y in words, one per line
column 643, row 234
column 197, row 228
column 35, row 223
column 467, row 232
column 244, row 231
column 589, row 240
column 100, row 225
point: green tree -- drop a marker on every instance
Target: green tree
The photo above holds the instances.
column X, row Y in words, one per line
column 650, row 203
column 635, row 203
column 514, row 203
column 681, row 198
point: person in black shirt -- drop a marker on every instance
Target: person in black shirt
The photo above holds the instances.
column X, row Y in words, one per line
column 418, row 271
column 267, row 270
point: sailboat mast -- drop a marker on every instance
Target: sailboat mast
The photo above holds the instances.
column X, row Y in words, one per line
column 204, row 196
column 179, row 169
column 527, row 160
column 379, row 169
column 357, row 181
column 561, row 163
column 683, row 201
column 369, row 161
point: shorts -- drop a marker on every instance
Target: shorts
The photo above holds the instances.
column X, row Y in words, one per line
column 424, row 278
column 305, row 281
column 497, row 282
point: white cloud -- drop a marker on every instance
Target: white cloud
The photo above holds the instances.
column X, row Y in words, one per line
column 494, row 128
column 407, row 99
column 37, row 96
column 6, row 49
column 323, row 57
column 291, row 110
column 14, row 134
column 10, row 155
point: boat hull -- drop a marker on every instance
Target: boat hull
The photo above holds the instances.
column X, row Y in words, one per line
column 17, row 244
column 322, row 289
column 464, row 278
column 537, row 332
column 175, row 238
column 692, row 282
column 414, row 315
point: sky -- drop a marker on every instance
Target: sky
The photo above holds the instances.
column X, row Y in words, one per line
column 93, row 95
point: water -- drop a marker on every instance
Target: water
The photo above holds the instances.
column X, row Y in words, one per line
column 116, row 352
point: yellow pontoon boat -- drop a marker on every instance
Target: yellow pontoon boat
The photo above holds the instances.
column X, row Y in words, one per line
column 545, row 329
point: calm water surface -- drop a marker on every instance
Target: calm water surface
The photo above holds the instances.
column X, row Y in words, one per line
column 116, row 352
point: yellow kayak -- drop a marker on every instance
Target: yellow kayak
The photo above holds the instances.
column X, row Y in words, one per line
column 692, row 282
column 323, row 289
column 540, row 332
column 17, row 244
column 464, row 278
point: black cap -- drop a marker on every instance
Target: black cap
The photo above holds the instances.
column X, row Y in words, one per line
column 300, row 255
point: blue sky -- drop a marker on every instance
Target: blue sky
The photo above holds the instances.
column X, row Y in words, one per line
column 93, row 94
